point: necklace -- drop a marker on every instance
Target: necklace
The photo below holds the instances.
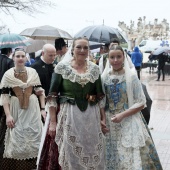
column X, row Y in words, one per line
column 118, row 71
column 20, row 71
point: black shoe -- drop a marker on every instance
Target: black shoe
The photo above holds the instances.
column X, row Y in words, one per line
column 163, row 80
column 157, row 80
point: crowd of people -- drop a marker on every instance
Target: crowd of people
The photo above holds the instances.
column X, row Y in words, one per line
column 68, row 113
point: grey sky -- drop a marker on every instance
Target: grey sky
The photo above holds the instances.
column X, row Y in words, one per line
column 73, row 15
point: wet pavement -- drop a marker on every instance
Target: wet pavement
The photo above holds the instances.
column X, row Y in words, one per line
column 159, row 124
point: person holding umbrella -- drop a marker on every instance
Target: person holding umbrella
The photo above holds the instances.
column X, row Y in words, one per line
column 162, row 58
column 23, row 115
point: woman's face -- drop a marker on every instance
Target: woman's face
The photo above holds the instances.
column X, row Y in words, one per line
column 20, row 58
column 81, row 49
column 116, row 59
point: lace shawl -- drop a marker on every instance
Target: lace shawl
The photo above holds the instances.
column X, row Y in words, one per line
column 71, row 74
column 10, row 81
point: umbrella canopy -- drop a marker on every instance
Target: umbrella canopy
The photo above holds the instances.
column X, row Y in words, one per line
column 36, row 45
column 101, row 34
column 12, row 41
column 46, row 33
column 94, row 45
column 161, row 50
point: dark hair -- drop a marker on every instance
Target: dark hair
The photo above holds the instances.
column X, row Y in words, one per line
column 19, row 49
column 59, row 43
column 115, row 40
column 79, row 38
column 6, row 51
column 117, row 47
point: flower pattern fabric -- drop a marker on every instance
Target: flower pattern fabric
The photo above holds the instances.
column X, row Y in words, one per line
column 120, row 153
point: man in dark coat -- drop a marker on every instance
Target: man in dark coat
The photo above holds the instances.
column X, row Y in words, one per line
column 5, row 64
column 162, row 58
column 45, row 66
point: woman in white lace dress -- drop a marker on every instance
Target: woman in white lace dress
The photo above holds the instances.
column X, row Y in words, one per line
column 129, row 145
column 76, row 84
column 23, row 115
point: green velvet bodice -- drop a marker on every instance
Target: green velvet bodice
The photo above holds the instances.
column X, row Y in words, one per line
column 75, row 93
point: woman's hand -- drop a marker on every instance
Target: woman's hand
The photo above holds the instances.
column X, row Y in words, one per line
column 103, row 127
column 44, row 114
column 52, row 129
column 10, row 121
column 117, row 118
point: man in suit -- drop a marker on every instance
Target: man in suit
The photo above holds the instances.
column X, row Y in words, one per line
column 45, row 66
column 5, row 64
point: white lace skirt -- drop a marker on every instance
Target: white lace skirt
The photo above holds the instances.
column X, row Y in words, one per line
column 79, row 138
column 22, row 142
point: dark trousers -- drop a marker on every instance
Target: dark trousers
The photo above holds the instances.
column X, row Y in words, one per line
column 161, row 68
column 138, row 71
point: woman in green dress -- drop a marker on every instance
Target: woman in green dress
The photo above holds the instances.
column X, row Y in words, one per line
column 76, row 88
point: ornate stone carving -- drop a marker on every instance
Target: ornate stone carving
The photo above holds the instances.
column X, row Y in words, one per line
column 155, row 30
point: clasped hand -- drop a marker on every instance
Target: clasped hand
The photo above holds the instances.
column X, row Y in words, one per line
column 10, row 121
column 103, row 127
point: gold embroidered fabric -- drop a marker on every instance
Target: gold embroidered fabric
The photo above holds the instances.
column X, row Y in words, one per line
column 21, row 93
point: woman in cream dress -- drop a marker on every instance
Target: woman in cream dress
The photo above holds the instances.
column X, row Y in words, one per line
column 23, row 115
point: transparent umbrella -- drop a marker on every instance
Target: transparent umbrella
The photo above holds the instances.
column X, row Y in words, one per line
column 36, row 45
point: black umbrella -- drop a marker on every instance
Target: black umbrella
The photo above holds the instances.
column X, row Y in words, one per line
column 101, row 34
column 147, row 109
column 94, row 45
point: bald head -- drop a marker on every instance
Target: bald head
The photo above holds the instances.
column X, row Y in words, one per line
column 49, row 53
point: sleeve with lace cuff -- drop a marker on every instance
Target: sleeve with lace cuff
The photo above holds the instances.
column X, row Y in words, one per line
column 39, row 89
column 52, row 100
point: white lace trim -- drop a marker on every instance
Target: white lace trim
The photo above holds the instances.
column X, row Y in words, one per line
column 4, row 98
column 52, row 102
column 71, row 74
column 9, row 80
column 69, row 141
column 37, row 89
